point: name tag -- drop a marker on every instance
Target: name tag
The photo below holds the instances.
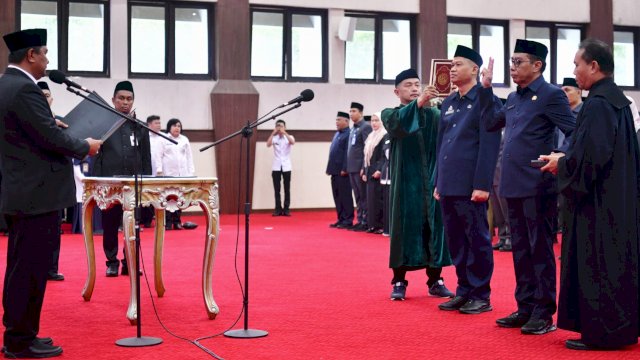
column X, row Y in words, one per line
column 133, row 140
column 510, row 107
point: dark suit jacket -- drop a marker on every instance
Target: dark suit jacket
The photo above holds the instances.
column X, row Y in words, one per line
column 37, row 176
column 355, row 152
column 530, row 117
column 466, row 152
column 338, row 153
column 117, row 155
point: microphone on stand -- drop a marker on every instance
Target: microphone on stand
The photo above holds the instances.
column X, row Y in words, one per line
column 305, row 95
column 59, row 77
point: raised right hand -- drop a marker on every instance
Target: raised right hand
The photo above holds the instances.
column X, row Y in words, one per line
column 94, row 146
column 487, row 74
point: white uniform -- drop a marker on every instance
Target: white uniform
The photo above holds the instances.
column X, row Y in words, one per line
column 177, row 160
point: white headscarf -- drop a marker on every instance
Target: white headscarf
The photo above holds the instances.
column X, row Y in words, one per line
column 373, row 140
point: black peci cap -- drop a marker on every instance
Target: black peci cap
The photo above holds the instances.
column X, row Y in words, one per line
column 406, row 74
column 355, row 105
column 570, row 82
column 43, row 85
column 531, row 47
column 123, row 85
column 343, row 114
column 468, row 53
column 25, row 39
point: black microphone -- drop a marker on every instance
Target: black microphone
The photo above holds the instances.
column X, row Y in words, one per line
column 305, row 95
column 59, row 77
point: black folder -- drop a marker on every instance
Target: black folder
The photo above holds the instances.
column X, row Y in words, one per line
column 90, row 120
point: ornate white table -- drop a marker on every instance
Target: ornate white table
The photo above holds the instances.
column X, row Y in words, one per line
column 163, row 194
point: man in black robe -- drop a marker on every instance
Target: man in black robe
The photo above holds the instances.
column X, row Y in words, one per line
column 599, row 176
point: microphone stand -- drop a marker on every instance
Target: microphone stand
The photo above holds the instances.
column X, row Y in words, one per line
column 138, row 340
column 246, row 132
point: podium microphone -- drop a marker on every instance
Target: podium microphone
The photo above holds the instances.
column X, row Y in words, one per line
column 305, row 95
column 59, row 77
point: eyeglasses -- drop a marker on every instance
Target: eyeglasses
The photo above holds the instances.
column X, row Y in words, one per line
column 516, row 61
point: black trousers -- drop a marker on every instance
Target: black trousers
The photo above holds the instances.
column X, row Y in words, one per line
column 173, row 218
column 111, row 221
column 433, row 274
column 341, row 189
column 374, row 203
column 360, row 192
column 534, row 262
column 385, row 208
column 286, row 177
column 29, row 257
column 467, row 232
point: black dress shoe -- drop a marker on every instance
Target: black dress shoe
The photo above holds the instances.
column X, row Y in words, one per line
column 515, row 320
column 577, row 344
column 286, row 212
column 476, row 306
column 37, row 350
column 538, row 327
column 276, row 212
column 55, row 277
column 335, row 224
column 112, row 270
column 44, row 340
column 498, row 245
column 453, row 304
column 344, row 226
column 505, row 248
column 177, row 227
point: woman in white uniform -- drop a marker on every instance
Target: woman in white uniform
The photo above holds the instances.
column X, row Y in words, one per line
column 177, row 160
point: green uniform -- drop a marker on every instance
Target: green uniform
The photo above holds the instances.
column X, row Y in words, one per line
column 416, row 230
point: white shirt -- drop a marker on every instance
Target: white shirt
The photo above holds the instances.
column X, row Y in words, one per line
column 281, row 152
column 177, row 160
column 156, row 143
column 25, row 72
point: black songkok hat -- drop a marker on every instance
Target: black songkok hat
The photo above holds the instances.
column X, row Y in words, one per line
column 570, row 82
column 123, row 85
column 406, row 74
column 355, row 105
column 25, row 39
column 343, row 114
column 531, row 47
column 468, row 53
column 43, row 85
column 367, row 118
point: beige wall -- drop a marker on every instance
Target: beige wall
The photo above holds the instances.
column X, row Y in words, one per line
column 189, row 101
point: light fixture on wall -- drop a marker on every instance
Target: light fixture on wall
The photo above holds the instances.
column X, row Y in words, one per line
column 347, row 28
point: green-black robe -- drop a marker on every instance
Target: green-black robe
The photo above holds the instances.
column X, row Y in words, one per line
column 416, row 230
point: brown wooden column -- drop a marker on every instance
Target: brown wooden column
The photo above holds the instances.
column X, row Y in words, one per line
column 432, row 29
column 601, row 25
column 7, row 25
column 234, row 100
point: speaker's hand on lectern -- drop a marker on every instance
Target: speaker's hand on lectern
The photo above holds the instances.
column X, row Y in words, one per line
column 94, row 146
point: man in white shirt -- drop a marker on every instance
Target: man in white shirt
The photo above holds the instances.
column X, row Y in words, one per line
column 281, row 167
column 155, row 142
column 153, row 122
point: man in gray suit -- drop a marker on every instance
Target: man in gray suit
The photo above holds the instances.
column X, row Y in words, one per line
column 355, row 160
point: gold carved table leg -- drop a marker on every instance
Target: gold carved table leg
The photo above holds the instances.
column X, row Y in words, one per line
column 128, row 227
column 87, row 230
column 211, row 242
column 157, row 256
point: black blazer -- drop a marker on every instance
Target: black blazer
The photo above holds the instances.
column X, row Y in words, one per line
column 117, row 155
column 37, row 176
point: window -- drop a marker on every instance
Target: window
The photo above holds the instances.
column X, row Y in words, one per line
column 77, row 33
column 288, row 44
column 382, row 46
column 487, row 37
column 170, row 40
column 562, row 41
column 625, row 51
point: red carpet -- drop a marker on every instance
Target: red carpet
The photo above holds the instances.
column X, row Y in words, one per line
column 321, row 293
